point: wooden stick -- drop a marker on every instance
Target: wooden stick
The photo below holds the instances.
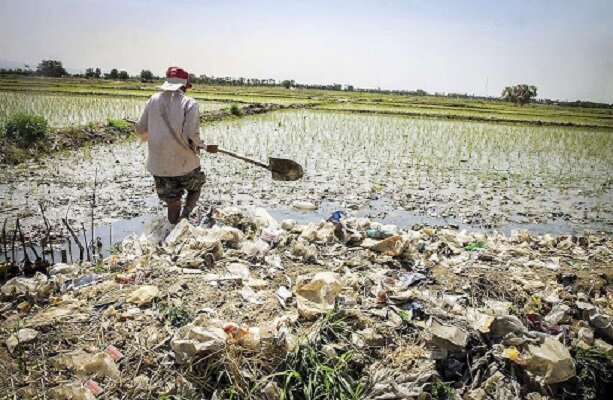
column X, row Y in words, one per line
column 23, row 241
column 243, row 158
column 6, row 253
column 94, row 206
column 34, row 250
column 86, row 245
column 48, row 239
column 69, row 243
column 27, row 263
column 13, row 245
column 76, row 239
column 43, row 245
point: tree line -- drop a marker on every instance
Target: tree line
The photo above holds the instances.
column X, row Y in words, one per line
column 54, row 68
column 519, row 94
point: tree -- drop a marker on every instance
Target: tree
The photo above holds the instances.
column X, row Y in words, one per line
column 114, row 74
column 51, row 68
column 146, row 76
column 519, row 94
column 93, row 73
column 286, row 84
column 123, row 75
column 192, row 78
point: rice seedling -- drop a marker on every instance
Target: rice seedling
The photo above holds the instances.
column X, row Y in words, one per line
column 477, row 175
column 62, row 111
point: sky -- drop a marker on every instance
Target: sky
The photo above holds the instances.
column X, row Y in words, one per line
column 565, row 48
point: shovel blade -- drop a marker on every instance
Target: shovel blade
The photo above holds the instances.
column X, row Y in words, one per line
column 285, row 170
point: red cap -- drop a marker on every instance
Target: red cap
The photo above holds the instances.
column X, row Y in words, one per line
column 180, row 73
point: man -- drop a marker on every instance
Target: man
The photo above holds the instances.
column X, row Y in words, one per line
column 170, row 123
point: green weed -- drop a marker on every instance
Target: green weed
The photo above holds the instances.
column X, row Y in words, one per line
column 116, row 249
column 441, row 391
column 177, row 316
column 594, row 377
column 311, row 372
column 235, row 110
column 120, row 124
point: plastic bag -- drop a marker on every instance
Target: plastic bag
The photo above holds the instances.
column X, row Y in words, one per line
column 255, row 248
column 199, row 337
column 143, row 295
column 317, row 296
column 38, row 286
column 551, row 361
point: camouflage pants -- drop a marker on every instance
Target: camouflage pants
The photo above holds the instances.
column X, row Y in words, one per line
column 172, row 188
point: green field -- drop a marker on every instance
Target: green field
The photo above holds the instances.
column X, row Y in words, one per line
column 362, row 102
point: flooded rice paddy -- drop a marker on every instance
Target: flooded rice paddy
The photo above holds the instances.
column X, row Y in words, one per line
column 63, row 111
column 406, row 171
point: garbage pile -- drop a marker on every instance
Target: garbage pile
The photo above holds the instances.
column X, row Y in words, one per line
column 244, row 306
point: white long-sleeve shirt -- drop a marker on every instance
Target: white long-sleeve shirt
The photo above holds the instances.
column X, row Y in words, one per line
column 172, row 151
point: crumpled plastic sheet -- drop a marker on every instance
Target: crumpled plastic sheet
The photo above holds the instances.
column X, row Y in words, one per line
column 316, row 297
column 87, row 364
column 23, row 336
column 255, row 248
column 551, row 361
column 133, row 246
column 69, row 310
column 390, row 385
column 185, row 237
column 202, row 336
column 206, row 335
column 319, row 232
column 448, row 338
column 302, row 251
column 100, row 364
column 37, row 286
column 71, row 391
column 143, row 295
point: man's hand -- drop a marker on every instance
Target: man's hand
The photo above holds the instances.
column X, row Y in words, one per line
column 211, row 148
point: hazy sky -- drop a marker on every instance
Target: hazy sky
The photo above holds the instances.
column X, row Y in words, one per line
column 565, row 48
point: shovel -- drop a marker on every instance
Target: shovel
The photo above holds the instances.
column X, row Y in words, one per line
column 282, row 169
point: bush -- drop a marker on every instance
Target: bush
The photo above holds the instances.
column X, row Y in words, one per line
column 235, row 110
column 26, row 129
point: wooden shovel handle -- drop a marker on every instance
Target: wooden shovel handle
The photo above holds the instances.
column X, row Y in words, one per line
column 242, row 157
